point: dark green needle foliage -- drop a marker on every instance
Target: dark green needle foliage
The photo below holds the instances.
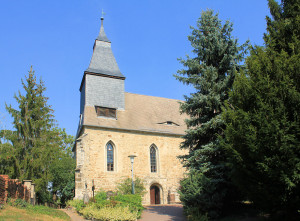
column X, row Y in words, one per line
column 31, row 148
column 29, row 151
column 211, row 71
column 263, row 117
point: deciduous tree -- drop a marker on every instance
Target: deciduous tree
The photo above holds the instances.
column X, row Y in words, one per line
column 63, row 169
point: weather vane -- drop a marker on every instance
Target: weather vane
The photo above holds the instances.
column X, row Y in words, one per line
column 103, row 14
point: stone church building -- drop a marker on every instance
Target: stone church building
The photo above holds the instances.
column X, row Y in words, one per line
column 115, row 124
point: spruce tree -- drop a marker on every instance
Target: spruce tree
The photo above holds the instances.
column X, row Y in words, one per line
column 33, row 145
column 211, row 72
column 262, row 117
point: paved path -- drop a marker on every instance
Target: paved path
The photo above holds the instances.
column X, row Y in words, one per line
column 73, row 215
column 163, row 213
column 151, row 213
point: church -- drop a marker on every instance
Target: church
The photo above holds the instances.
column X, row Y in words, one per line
column 115, row 124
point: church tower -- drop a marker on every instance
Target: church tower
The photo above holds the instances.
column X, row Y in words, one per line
column 102, row 84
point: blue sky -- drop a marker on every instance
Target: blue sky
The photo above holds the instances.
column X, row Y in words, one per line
column 147, row 36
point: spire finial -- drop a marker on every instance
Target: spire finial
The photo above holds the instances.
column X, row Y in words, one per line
column 102, row 35
column 102, row 17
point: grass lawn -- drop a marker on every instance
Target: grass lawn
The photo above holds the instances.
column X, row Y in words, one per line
column 40, row 213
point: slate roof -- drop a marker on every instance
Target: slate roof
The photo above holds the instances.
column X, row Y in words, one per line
column 102, row 35
column 103, row 61
column 142, row 113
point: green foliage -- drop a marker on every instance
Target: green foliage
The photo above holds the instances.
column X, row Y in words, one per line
column 31, row 149
column 100, row 196
column 77, row 204
column 283, row 28
column 125, row 186
column 119, row 207
column 211, row 72
column 262, row 117
column 193, row 214
column 37, row 209
column 20, row 203
column 89, row 211
column 63, row 168
column 106, row 203
column 133, row 202
column 37, row 150
column 108, row 213
column 195, row 193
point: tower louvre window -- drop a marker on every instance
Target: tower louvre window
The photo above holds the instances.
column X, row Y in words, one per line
column 105, row 112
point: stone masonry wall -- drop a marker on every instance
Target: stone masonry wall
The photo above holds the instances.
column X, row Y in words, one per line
column 3, row 189
column 13, row 188
column 91, row 162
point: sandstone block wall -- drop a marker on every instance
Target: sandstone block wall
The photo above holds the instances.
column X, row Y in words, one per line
column 91, row 162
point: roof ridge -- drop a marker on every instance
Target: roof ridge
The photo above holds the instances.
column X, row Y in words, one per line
column 154, row 96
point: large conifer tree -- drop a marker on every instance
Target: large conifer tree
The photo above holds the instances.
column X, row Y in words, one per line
column 211, row 72
column 263, row 116
column 29, row 150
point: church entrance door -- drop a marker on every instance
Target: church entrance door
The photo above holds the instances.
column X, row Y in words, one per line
column 154, row 195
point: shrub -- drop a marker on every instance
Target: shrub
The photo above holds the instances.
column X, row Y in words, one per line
column 89, row 211
column 203, row 193
column 77, row 204
column 20, row 203
column 2, row 206
column 117, row 207
column 125, row 186
column 100, row 196
column 134, row 202
column 193, row 214
column 109, row 213
column 130, row 199
column 104, row 203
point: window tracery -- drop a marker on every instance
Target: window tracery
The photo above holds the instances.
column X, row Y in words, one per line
column 110, row 157
column 153, row 160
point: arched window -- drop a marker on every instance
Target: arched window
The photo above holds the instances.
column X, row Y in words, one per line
column 110, row 157
column 153, row 160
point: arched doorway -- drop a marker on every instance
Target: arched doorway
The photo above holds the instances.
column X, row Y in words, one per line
column 154, row 194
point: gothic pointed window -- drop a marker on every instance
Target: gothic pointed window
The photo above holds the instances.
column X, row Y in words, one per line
column 110, row 157
column 153, row 160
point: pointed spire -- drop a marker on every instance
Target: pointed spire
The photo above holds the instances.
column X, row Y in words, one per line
column 102, row 35
column 103, row 60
